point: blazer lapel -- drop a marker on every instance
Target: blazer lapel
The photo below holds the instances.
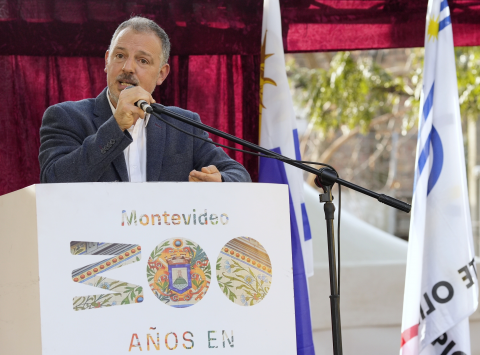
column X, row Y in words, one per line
column 102, row 113
column 102, row 110
column 156, row 133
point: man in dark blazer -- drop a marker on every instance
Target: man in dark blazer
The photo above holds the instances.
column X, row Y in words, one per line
column 110, row 139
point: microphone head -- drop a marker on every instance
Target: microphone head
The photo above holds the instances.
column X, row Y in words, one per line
column 142, row 104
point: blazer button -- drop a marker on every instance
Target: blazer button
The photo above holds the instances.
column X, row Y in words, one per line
column 112, row 141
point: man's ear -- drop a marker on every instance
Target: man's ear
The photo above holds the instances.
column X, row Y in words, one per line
column 106, row 60
column 163, row 74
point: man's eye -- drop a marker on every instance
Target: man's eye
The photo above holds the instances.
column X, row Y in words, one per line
column 144, row 61
column 119, row 56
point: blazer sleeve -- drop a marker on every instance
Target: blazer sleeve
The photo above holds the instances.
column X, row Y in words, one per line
column 68, row 153
column 206, row 154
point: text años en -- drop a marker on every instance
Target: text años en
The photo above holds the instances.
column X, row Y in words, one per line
column 171, row 341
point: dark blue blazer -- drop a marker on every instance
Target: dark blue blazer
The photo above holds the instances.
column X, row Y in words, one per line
column 81, row 142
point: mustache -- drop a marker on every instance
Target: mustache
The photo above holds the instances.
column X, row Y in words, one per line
column 127, row 78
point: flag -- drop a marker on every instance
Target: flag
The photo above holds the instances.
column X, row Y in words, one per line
column 278, row 133
column 441, row 288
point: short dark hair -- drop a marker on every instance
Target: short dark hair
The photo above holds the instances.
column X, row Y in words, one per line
column 142, row 24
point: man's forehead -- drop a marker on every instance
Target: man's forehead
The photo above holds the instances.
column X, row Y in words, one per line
column 142, row 42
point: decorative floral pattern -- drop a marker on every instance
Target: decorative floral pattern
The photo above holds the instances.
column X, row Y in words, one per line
column 243, row 299
column 244, row 271
column 228, row 267
column 125, row 293
column 249, row 279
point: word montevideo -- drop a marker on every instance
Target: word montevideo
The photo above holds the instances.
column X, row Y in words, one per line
column 174, row 219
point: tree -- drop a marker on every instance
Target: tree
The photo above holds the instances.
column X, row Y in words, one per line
column 356, row 93
column 353, row 94
column 362, row 109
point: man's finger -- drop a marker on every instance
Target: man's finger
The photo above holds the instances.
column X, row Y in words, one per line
column 201, row 176
column 136, row 112
column 211, row 169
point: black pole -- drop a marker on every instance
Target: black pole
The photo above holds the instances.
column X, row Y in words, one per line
column 329, row 209
column 325, row 179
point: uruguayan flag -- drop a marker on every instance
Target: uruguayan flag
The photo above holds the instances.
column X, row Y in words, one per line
column 441, row 289
column 278, row 133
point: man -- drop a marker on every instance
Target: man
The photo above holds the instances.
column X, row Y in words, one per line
column 110, row 139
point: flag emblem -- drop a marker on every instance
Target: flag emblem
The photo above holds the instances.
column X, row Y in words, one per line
column 179, row 272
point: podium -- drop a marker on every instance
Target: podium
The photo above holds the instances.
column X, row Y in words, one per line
column 123, row 268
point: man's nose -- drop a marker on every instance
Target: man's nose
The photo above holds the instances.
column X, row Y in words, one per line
column 129, row 65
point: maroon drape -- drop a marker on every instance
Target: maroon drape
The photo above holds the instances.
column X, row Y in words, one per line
column 213, row 27
column 52, row 51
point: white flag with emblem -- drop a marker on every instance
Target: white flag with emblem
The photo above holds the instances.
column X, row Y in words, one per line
column 441, row 288
column 278, row 133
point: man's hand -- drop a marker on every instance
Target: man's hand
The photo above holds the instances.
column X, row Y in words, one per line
column 127, row 113
column 210, row 173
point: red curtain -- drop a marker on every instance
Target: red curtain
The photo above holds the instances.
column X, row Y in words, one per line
column 213, row 27
column 52, row 51
column 331, row 25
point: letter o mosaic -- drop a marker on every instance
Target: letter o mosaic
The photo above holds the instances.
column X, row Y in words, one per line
column 244, row 271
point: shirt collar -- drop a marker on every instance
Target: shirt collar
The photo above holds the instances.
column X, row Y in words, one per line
column 147, row 116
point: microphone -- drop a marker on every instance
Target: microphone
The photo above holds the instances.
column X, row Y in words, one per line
column 141, row 104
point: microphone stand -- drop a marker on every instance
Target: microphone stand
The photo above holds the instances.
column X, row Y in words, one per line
column 325, row 178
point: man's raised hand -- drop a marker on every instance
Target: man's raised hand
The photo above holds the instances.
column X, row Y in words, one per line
column 127, row 113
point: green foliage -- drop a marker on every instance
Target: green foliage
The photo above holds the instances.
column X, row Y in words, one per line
column 131, row 293
column 158, row 250
column 355, row 89
column 207, row 270
column 95, row 301
column 198, row 284
column 226, row 287
column 352, row 91
column 198, row 254
column 468, row 76
column 150, row 274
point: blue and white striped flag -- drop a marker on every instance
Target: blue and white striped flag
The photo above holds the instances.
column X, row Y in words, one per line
column 441, row 288
column 278, row 133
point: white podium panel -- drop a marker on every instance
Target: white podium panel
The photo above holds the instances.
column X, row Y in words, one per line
column 122, row 268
